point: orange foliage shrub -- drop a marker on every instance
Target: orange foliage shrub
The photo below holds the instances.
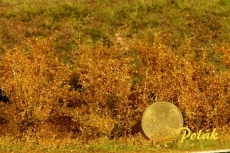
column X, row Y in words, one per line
column 112, row 91
column 198, row 88
column 34, row 81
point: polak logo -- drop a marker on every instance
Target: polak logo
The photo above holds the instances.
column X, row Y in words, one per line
column 199, row 136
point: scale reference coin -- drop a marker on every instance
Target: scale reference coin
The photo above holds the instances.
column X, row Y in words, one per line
column 162, row 119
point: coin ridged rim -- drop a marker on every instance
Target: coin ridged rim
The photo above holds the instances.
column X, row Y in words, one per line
column 156, row 104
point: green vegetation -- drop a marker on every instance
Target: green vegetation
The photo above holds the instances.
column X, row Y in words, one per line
column 200, row 22
column 80, row 73
column 105, row 145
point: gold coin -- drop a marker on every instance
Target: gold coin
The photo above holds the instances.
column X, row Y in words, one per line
column 162, row 119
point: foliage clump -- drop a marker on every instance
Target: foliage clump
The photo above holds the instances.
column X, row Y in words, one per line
column 106, row 94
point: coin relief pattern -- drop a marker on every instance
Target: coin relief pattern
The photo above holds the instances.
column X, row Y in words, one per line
column 162, row 119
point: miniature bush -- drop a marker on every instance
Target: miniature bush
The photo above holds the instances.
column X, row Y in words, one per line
column 106, row 94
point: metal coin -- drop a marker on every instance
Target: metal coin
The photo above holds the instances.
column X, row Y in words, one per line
column 162, row 119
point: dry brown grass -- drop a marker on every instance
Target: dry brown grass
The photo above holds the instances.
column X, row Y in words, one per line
column 112, row 89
